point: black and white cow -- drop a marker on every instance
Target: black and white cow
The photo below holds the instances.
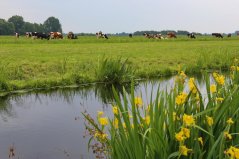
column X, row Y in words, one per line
column 17, row 35
column 191, row 35
column 28, row 34
column 158, row 36
column 105, row 36
column 149, row 36
column 218, row 35
column 43, row 36
column 34, row 35
column 101, row 35
column 40, row 35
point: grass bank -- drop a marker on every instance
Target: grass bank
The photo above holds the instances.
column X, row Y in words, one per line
column 27, row 63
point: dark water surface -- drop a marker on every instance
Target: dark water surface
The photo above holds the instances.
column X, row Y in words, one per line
column 49, row 125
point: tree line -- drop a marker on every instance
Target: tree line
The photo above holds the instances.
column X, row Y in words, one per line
column 17, row 24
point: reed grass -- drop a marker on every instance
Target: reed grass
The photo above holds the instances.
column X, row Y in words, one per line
column 114, row 71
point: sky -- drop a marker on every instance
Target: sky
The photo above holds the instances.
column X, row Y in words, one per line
column 116, row 16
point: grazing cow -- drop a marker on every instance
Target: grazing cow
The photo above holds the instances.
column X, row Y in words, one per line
column 153, row 36
column 34, row 35
column 229, row 35
column 105, row 36
column 101, row 35
column 149, row 36
column 39, row 35
column 43, row 36
column 71, row 35
column 28, row 34
column 171, row 35
column 158, row 36
column 130, row 35
column 56, row 35
column 191, row 35
column 17, row 35
column 217, row 35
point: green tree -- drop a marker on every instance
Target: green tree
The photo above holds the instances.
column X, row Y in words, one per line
column 28, row 27
column 6, row 28
column 18, row 23
column 39, row 27
column 182, row 32
column 52, row 24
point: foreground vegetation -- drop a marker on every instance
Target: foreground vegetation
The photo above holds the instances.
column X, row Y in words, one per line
column 177, row 124
column 27, row 63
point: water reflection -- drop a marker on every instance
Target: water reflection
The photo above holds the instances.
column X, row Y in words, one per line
column 100, row 92
column 105, row 92
column 6, row 108
column 42, row 123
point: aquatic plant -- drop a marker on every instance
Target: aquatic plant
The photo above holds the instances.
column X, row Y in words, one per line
column 175, row 124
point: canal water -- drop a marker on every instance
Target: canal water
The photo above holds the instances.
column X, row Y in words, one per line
column 49, row 125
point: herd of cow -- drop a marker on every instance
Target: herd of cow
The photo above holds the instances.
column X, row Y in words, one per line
column 51, row 35
column 173, row 35
column 57, row 35
column 71, row 35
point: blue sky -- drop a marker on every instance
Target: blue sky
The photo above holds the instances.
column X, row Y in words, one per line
column 112, row 16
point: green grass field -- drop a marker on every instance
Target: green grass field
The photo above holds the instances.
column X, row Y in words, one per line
column 27, row 63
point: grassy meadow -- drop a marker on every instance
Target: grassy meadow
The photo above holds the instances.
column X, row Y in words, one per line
column 27, row 63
